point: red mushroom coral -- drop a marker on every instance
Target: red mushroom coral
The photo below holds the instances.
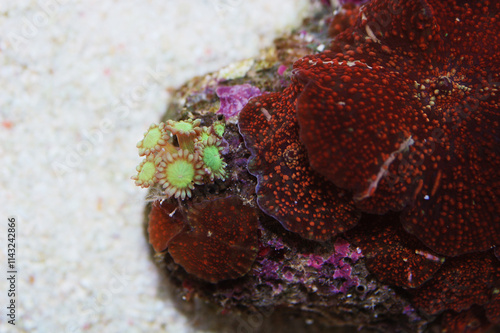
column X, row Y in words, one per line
column 287, row 188
column 404, row 111
column 214, row 240
column 165, row 222
column 493, row 308
column 344, row 17
column 392, row 255
column 470, row 321
column 460, row 283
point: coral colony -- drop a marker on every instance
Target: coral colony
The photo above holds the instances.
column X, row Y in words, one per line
column 362, row 185
column 178, row 168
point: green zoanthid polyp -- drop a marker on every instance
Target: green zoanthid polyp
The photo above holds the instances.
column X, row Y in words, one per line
column 195, row 160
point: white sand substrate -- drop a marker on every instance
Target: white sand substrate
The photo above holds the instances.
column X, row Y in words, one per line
column 80, row 82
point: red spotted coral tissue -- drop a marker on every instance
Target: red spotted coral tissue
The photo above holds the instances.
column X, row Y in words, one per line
column 214, row 240
column 402, row 112
column 405, row 113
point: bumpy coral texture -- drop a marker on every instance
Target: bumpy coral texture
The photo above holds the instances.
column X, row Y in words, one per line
column 288, row 189
column 404, row 112
column 214, row 240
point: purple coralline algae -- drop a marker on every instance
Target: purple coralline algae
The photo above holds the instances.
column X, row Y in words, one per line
column 282, row 69
column 234, row 98
column 334, row 269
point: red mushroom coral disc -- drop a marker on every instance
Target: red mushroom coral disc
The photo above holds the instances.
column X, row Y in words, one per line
column 493, row 308
column 287, row 188
column 469, row 321
column 165, row 222
column 344, row 18
column 460, row 283
column 405, row 112
column 221, row 241
column 394, row 256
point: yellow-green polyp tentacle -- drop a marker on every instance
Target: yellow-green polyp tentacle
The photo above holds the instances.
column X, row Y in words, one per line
column 155, row 138
column 186, row 132
column 179, row 172
column 219, row 128
column 147, row 172
column 206, row 132
column 178, row 168
column 184, row 126
column 151, row 138
column 212, row 158
column 210, row 153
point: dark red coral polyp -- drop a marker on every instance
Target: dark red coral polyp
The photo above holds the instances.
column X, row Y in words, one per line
column 214, row 240
column 404, row 112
